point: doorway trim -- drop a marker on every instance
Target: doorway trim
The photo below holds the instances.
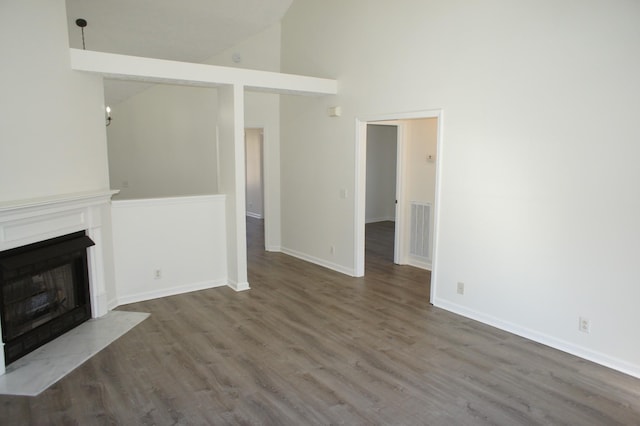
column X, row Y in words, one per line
column 361, row 181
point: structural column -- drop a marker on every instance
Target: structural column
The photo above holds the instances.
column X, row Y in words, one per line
column 232, row 180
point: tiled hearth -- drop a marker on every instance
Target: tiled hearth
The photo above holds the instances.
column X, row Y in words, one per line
column 35, row 372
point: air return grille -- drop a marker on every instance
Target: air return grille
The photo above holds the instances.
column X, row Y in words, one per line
column 420, row 230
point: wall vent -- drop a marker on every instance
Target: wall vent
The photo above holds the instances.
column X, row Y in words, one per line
column 421, row 230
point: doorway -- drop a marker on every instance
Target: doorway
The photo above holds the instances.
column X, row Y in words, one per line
column 254, row 185
column 416, row 211
column 381, row 226
column 254, row 166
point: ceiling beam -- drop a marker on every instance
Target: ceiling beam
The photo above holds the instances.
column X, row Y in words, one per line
column 149, row 70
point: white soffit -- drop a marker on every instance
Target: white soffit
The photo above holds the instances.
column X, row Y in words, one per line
column 151, row 70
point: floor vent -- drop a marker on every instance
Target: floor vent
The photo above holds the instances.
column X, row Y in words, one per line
column 420, row 230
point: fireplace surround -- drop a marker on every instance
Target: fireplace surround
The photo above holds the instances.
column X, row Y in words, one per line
column 26, row 222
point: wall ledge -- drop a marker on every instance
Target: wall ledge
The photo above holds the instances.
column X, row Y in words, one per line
column 91, row 197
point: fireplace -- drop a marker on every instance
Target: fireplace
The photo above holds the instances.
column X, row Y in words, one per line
column 38, row 220
column 44, row 292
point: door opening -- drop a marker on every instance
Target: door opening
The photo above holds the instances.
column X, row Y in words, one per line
column 417, row 188
column 381, row 218
column 254, row 181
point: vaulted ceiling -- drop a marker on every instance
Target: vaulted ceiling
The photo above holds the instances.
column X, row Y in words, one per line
column 185, row 30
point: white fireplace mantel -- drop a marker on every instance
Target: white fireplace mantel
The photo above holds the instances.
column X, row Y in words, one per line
column 28, row 221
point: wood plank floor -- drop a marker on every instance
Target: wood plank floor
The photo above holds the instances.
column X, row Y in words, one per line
column 310, row 346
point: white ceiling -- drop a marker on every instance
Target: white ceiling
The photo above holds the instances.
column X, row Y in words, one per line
column 186, row 30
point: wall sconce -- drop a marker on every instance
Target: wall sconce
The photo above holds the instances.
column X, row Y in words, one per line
column 108, row 112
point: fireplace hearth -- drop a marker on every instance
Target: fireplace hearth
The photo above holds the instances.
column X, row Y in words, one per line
column 44, row 292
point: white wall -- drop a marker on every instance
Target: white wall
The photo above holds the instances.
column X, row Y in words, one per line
column 539, row 182
column 52, row 128
column 262, row 110
column 259, row 52
column 162, row 140
column 195, row 259
column 421, row 137
column 52, row 137
column 253, row 172
column 162, row 143
column 382, row 149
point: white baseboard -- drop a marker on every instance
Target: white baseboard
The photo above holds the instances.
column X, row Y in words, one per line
column 239, row 286
column 112, row 304
column 561, row 345
column 419, row 263
column 254, row 215
column 149, row 295
column 320, row 262
column 380, row 219
column 274, row 249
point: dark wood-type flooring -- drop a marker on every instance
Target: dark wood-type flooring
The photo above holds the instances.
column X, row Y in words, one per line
column 308, row 346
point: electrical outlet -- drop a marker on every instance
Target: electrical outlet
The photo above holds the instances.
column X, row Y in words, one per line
column 584, row 325
column 460, row 288
column 157, row 274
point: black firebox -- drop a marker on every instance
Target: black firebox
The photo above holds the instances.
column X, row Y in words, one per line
column 44, row 292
